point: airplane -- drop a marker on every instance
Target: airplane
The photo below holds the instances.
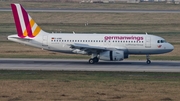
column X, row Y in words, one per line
column 108, row 47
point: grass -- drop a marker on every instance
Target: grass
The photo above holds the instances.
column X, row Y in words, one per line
column 88, row 76
column 89, row 86
column 98, row 22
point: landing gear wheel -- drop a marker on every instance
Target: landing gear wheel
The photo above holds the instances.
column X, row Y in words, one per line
column 91, row 61
column 148, row 61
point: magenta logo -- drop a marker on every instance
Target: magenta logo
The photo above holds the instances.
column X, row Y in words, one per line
column 137, row 38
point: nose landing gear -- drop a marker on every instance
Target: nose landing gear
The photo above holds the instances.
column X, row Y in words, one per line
column 148, row 59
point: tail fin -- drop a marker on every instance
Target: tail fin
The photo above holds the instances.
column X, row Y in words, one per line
column 25, row 25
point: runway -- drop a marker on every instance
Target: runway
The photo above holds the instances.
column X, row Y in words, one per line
column 83, row 65
column 96, row 10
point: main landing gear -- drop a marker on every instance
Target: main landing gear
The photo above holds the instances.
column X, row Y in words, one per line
column 148, row 59
column 94, row 59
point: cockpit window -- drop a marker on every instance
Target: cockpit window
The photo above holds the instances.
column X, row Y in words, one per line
column 161, row 41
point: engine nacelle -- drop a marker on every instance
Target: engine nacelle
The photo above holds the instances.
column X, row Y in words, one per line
column 78, row 51
column 112, row 55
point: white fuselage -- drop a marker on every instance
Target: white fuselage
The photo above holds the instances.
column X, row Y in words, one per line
column 129, row 43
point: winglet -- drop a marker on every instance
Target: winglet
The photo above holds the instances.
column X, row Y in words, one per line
column 25, row 25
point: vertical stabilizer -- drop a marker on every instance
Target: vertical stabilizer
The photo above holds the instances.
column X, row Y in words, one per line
column 25, row 25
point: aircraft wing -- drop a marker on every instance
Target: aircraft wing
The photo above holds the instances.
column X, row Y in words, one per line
column 90, row 48
column 86, row 46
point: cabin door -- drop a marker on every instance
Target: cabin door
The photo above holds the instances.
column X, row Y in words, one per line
column 148, row 42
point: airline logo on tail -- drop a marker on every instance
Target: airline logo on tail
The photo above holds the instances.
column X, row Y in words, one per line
column 25, row 25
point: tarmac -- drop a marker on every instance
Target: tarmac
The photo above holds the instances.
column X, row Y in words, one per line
column 83, row 65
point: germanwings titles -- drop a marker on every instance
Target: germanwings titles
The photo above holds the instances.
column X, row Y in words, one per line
column 108, row 47
column 137, row 38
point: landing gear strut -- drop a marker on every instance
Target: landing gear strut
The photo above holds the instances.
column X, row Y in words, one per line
column 148, row 59
column 94, row 59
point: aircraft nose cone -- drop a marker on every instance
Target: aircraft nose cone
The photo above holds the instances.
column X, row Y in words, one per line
column 170, row 47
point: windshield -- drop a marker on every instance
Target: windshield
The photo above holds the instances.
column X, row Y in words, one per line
column 161, row 41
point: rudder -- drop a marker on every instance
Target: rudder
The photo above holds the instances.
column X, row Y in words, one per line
column 25, row 25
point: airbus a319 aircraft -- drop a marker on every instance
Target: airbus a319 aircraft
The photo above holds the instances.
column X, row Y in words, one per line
column 109, row 47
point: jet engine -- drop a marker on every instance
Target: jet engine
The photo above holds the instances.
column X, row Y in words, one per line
column 78, row 51
column 112, row 55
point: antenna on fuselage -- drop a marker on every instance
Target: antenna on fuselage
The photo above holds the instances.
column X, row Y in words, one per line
column 74, row 32
column 146, row 33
